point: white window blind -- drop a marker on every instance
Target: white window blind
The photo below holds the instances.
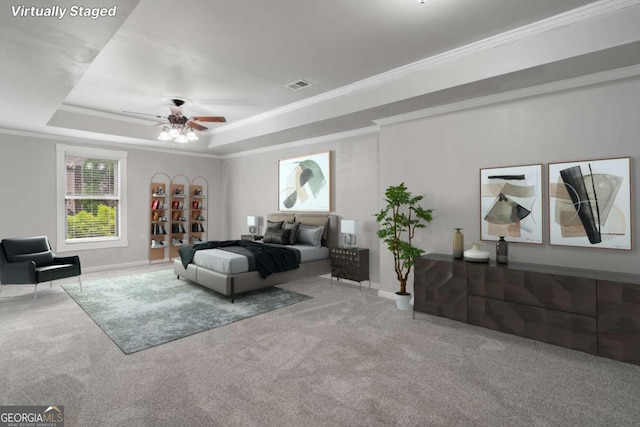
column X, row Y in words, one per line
column 92, row 197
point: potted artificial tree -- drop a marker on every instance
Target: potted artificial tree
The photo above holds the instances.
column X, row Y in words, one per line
column 398, row 222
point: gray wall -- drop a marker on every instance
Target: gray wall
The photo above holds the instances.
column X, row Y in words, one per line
column 447, row 151
column 28, row 193
column 439, row 157
column 251, row 187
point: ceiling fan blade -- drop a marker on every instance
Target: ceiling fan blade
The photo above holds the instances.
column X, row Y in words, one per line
column 196, row 126
column 145, row 114
column 209, row 119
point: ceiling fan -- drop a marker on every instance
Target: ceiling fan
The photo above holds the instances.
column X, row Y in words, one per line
column 180, row 127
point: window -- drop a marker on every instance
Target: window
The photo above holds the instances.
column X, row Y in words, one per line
column 91, row 198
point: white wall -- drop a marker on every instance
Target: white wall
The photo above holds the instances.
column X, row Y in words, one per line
column 28, row 194
column 440, row 157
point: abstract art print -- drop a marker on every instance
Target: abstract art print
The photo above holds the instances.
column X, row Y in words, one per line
column 590, row 203
column 511, row 203
column 304, row 183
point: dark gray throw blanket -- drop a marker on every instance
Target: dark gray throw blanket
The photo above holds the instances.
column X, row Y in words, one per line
column 269, row 259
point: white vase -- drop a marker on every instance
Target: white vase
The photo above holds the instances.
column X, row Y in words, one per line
column 403, row 302
column 475, row 254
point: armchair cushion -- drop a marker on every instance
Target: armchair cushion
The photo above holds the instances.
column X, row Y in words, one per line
column 57, row 271
column 34, row 249
column 40, row 258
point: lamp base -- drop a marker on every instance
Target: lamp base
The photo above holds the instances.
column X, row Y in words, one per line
column 349, row 240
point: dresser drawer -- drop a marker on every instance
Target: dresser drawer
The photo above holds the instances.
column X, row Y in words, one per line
column 557, row 292
column 569, row 330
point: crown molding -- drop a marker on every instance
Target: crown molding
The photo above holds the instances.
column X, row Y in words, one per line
column 589, row 11
column 310, row 141
column 558, row 86
column 87, row 141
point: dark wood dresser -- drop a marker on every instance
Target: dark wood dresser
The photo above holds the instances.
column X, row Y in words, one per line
column 592, row 311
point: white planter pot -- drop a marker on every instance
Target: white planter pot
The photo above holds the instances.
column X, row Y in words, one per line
column 403, row 302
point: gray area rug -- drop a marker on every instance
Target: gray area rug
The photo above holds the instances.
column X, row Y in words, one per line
column 149, row 309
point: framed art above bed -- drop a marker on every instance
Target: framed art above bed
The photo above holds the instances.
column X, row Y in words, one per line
column 304, row 183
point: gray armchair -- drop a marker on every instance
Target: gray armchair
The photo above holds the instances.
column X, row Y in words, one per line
column 29, row 260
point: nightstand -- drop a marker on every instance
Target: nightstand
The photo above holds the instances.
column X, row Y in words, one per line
column 251, row 237
column 350, row 264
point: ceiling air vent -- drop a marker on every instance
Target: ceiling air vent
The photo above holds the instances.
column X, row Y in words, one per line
column 299, row 84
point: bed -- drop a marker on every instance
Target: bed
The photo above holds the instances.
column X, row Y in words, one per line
column 227, row 272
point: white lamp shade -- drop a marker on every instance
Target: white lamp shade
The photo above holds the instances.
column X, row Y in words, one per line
column 252, row 221
column 191, row 136
column 164, row 136
column 348, row 226
column 173, row 133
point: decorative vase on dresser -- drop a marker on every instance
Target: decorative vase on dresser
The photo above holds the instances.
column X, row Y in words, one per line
column 502, row 251
column 458, row 243
column 475, row 254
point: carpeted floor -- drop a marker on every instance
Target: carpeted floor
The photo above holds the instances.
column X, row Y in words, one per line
column 143, row 310
column 343, row 358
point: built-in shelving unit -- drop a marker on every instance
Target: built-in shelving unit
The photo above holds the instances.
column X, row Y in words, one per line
column 179, row 214
column 198, row 209
column 158, row 219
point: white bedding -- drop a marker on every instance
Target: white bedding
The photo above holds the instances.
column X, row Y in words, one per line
column 231, row 263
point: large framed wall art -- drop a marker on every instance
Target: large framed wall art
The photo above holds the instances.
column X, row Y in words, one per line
column 590, row 203
column 511, row 203
column 304, row 183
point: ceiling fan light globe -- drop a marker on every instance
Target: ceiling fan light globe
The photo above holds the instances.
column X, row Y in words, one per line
column 181, row 139
column 191, row 136
column 173, row 133
column 164, row 136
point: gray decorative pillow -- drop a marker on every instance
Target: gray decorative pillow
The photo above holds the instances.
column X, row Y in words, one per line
column 308, row 235
column 274, row 225
column 294, row 227
column 279, row 236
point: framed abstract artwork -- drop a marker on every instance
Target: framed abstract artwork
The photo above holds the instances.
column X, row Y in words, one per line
column 304, row 183
column 511, row 203
column 590, row 203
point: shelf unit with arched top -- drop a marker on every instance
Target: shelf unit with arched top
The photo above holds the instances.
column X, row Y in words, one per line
column 158, row 216
column 198, row 198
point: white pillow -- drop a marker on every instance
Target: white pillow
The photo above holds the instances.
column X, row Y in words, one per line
column 308, row 235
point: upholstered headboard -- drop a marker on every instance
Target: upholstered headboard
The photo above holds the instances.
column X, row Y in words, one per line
column 331, row 235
